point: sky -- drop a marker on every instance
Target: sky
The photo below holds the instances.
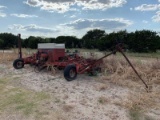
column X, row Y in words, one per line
column 52, row 18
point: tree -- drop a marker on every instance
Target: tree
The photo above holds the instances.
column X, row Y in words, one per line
column 9, row 40
column 70, row 41
column 1, row 43
column 138, row 41
column 109, row 41
column 91, row 37
column 143, row 41
column 158, row 39
column 32, row 42
column 52, row 40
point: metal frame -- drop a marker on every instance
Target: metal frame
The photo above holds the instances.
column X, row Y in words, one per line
column 57, row 57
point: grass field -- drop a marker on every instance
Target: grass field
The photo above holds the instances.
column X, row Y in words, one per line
column 115, row 70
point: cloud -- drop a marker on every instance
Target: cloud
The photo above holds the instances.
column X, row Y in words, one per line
column 62, row 6
column 144, row 21
column 151, row 7
column 23, row 15
column 73, row 16
column 156, row 18
column 148, row 7
column 31, row 28
column 100, row 4
column 2, row 7
column 59, row 6
column 2, row 14
column 131, row 9
column 113, row 24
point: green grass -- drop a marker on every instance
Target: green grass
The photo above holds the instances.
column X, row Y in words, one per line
column 19, row 99
column 41, row 96
column 27, row 107
column 136, row 114
column 3, row 81
column 137, row 55
column 102, row 100
column 146, row 55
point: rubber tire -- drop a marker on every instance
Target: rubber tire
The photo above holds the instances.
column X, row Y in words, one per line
column 67, row 71
column 16, row 64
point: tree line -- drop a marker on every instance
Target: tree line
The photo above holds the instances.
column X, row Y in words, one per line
column 138, row 41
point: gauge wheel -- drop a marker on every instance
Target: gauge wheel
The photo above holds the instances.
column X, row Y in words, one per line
column 70, row 72
column 18, row 64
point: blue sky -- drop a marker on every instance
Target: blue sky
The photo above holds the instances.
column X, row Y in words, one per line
column 52, row 18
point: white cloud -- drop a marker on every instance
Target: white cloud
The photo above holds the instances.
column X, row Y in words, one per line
column 73, row 16
column 2, row 7
column 81, row 26
column 31, row 28
column 145, row 21
column 23, row 15
column 112, row 24
column 74, row 28
column 156, row 18
column 100, row 4
column 148, row 7
column 62, row 6
column 33, row 3
column 51, row 6
column 2, row 14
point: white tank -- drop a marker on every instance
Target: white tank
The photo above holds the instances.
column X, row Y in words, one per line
column 51, row 46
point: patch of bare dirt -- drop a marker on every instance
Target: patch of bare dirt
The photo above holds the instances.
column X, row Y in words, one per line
column 86, row 98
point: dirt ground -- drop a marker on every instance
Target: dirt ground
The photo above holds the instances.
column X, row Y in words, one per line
column 86, row 98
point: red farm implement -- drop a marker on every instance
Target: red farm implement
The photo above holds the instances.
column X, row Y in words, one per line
column 52, row 54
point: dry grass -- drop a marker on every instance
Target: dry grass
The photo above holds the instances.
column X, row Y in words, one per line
column 156, row 64
column 117, row 71
column 101, row 87
column 11, row 55
column 103, row 100
column 142, row 101
column 6, row 57
column 68, row 108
